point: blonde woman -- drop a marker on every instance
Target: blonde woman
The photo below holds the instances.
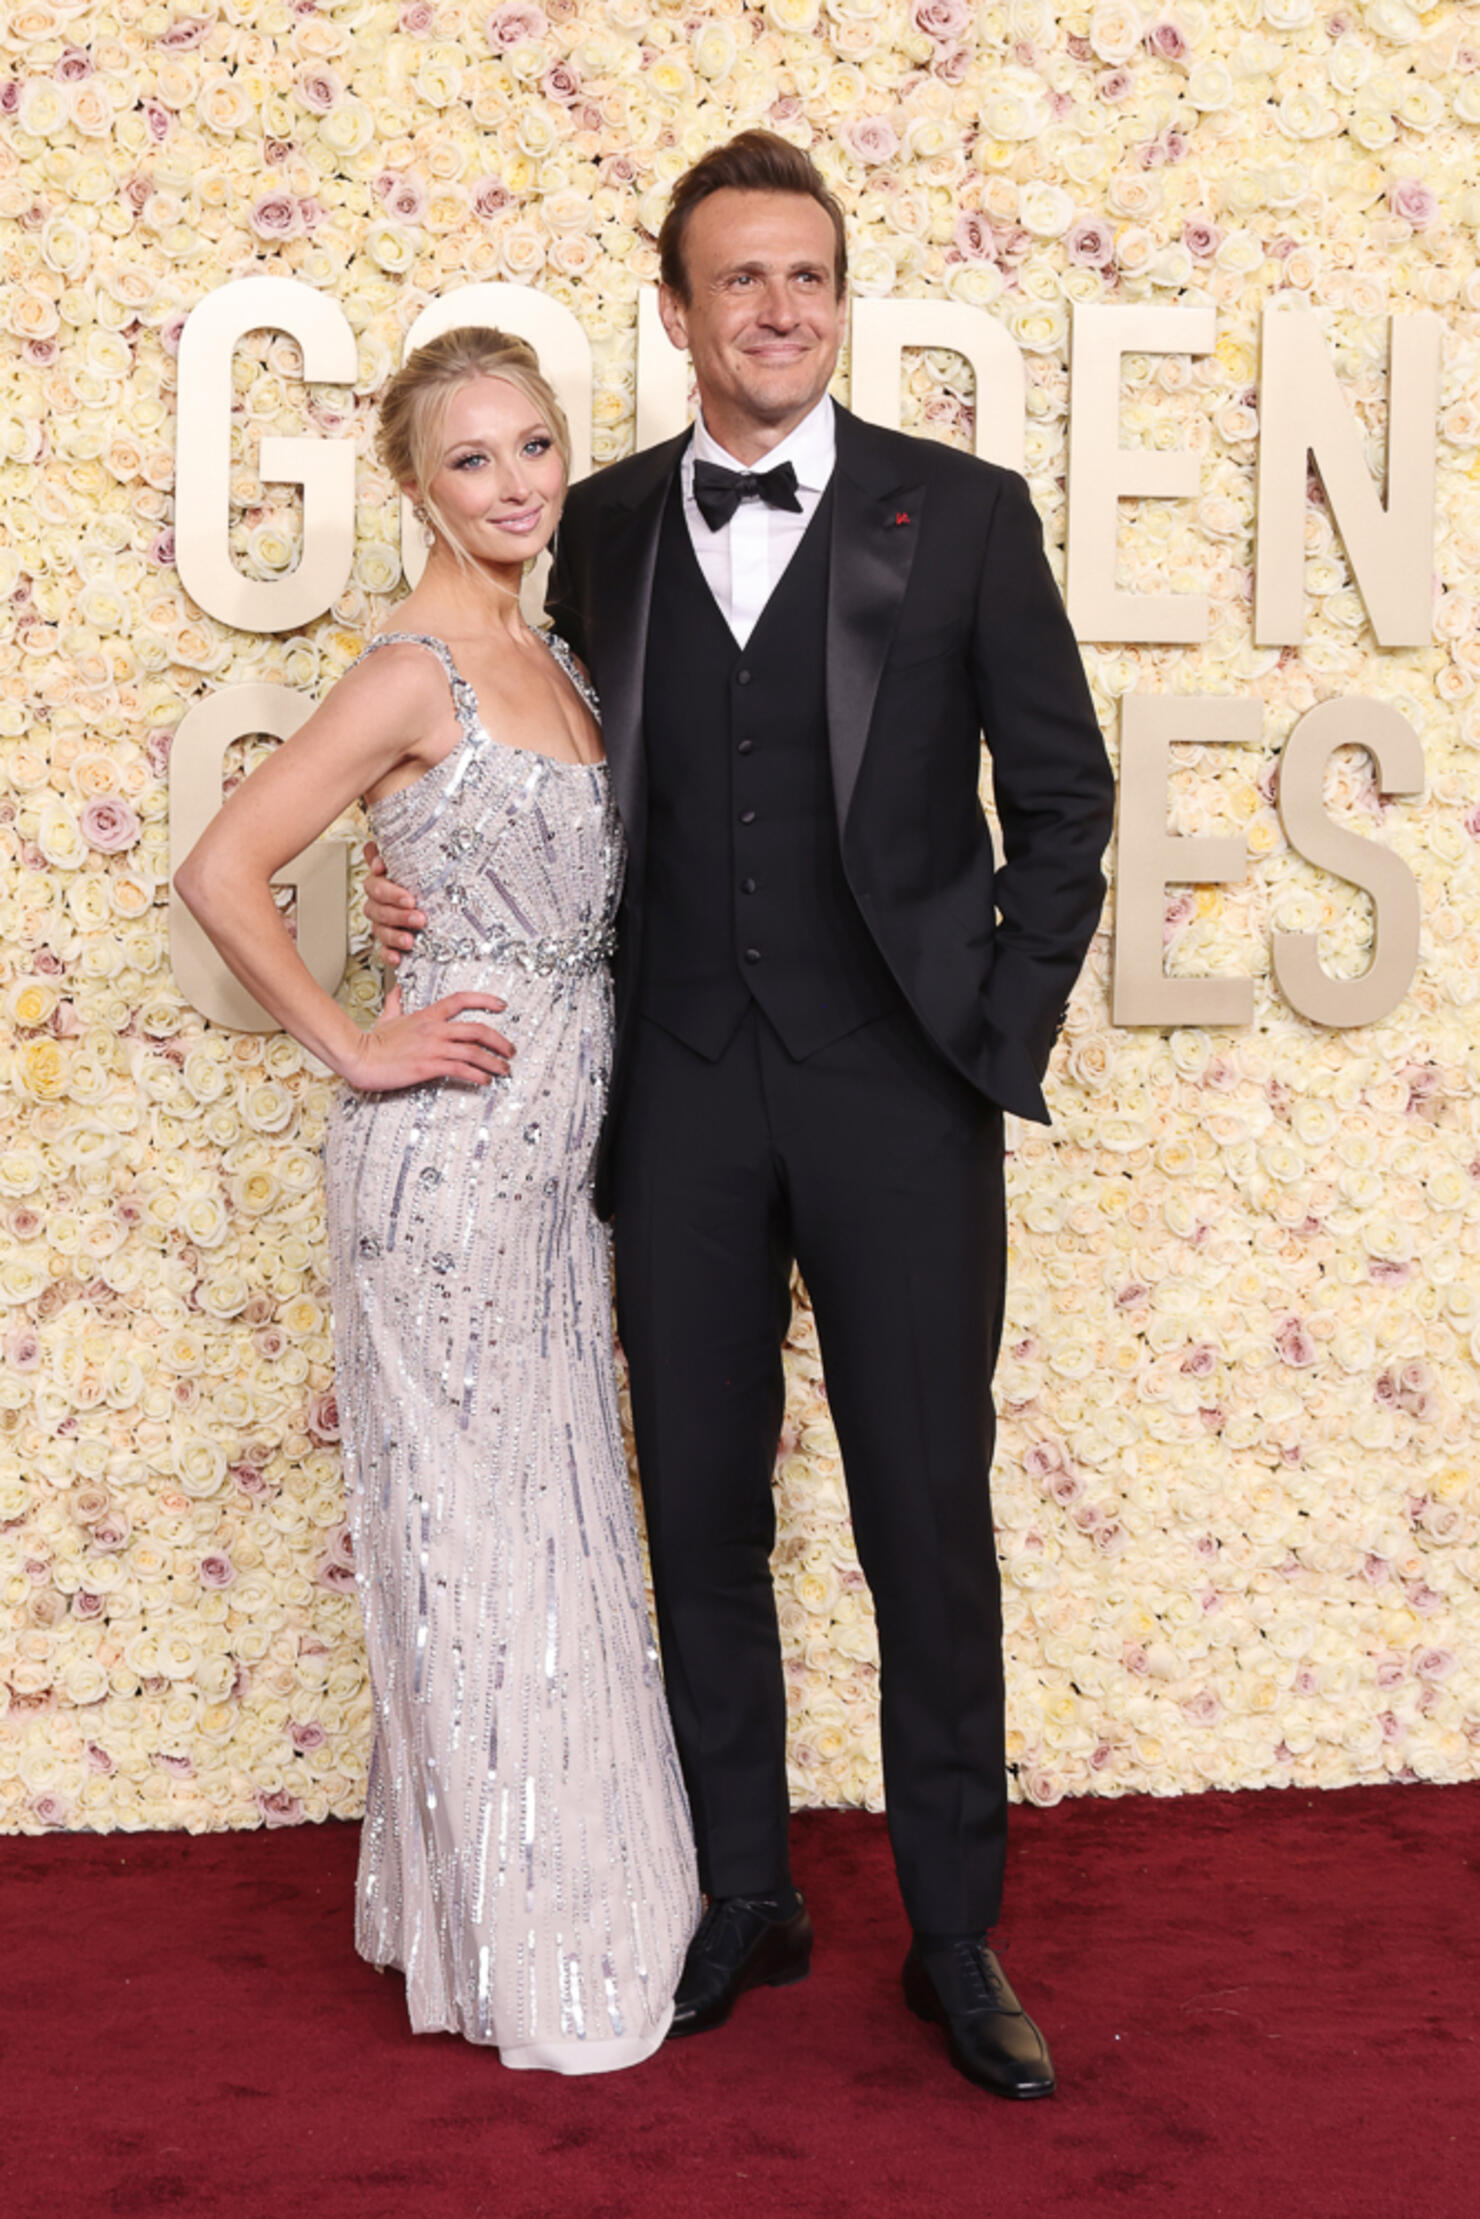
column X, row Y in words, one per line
column 526, row 1858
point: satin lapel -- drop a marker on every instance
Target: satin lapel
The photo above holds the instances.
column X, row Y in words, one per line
column 875, row 531
column 622, row 589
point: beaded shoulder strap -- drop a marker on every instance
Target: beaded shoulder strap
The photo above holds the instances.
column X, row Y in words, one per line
column 464, row 699
column 573, row 671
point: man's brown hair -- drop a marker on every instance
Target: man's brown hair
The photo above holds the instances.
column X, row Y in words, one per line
column 754, row 162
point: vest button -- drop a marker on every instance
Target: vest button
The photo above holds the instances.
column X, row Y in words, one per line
column 745, row 747
column 752, row 955
column 747, row 816
column 747, row 885
column 742, row 677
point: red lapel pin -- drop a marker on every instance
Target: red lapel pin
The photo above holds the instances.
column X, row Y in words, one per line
column 901, row 516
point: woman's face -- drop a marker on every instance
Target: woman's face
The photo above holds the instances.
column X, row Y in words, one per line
column 499, row 481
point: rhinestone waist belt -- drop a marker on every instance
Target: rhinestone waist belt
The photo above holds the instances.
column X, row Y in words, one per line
column 571, row 955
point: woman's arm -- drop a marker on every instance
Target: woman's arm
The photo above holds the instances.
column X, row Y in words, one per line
column 349, row 744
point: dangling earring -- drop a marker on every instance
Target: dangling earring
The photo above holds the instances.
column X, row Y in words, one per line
column 428, row 536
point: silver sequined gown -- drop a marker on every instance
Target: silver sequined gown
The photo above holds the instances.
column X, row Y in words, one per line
column 526, row 1856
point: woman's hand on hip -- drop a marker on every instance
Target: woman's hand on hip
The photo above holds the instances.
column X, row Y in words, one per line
column 442, row 1042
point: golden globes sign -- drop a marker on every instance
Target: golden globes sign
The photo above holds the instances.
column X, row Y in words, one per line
column 1303, row 415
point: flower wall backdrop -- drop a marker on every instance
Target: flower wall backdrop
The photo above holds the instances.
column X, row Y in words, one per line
column 1236, row 1487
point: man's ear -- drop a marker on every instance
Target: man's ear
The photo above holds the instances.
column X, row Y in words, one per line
column 672, row 317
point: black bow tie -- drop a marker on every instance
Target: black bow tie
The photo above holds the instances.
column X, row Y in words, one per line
column 718, row 492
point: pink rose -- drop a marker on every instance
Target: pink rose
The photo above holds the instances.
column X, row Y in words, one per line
column 216, row 1571
column 161, row 548
column 157, row 119
column 488, row 197
column 975, row 238
column 306, row 1736
column 189, row 31
column 873, row 139
column 1200, row 1360
column 318, row 89
column 279, row 1808
column 945, row 21
column 1166, row 41
column 516, row 22
column 23, row 1349
column 1091, row 244
column 405, row 198
column 1387, row 1271
column 1116, row 84
column 73, row 66
column 178, row 1767
column 562, row 82
column 323, row 1417
column 10, row 97
column 1201, row 237
column 1415, row 202
column 98, row 1759
column 416, row 19
column 109, row 824
column 276, row 217
column 51, row 1809
column 952, row 62
column 1294, row 1346
column 88, row 1606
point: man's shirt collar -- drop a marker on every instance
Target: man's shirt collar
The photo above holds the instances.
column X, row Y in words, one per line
column 810, row 447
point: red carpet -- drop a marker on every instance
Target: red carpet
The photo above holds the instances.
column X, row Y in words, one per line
column 1259, row 2005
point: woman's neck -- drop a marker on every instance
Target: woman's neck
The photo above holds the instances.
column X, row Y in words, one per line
column 472, row 601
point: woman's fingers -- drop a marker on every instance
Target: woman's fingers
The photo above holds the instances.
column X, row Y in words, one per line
column 483, row 1037
column 392, row 1009
column 389, row 903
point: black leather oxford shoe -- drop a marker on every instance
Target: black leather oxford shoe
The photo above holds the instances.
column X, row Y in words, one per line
column 991, row 2038
column 739, row 1945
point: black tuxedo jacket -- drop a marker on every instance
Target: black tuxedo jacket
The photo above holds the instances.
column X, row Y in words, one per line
column 943, row 625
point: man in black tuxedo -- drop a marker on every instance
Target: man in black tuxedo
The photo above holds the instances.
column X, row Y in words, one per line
column 827, row 994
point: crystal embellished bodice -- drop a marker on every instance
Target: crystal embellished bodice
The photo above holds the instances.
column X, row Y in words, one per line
column 526, row 1857
column 515, row 856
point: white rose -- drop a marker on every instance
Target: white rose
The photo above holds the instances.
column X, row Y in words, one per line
column 1046, row 210
column 1115, row 30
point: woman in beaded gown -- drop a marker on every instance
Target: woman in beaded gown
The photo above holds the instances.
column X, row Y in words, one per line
column 526, row 1858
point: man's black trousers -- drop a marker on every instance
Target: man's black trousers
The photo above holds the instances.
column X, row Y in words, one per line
column 879, row 1170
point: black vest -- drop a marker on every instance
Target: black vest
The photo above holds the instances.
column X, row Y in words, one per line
column 745, row 896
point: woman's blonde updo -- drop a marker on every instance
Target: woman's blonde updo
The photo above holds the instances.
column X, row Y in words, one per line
column 413, row 407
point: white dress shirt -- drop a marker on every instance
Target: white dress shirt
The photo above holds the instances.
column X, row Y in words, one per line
column 742, row 562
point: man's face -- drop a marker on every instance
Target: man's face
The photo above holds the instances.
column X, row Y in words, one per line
column 763, row 320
